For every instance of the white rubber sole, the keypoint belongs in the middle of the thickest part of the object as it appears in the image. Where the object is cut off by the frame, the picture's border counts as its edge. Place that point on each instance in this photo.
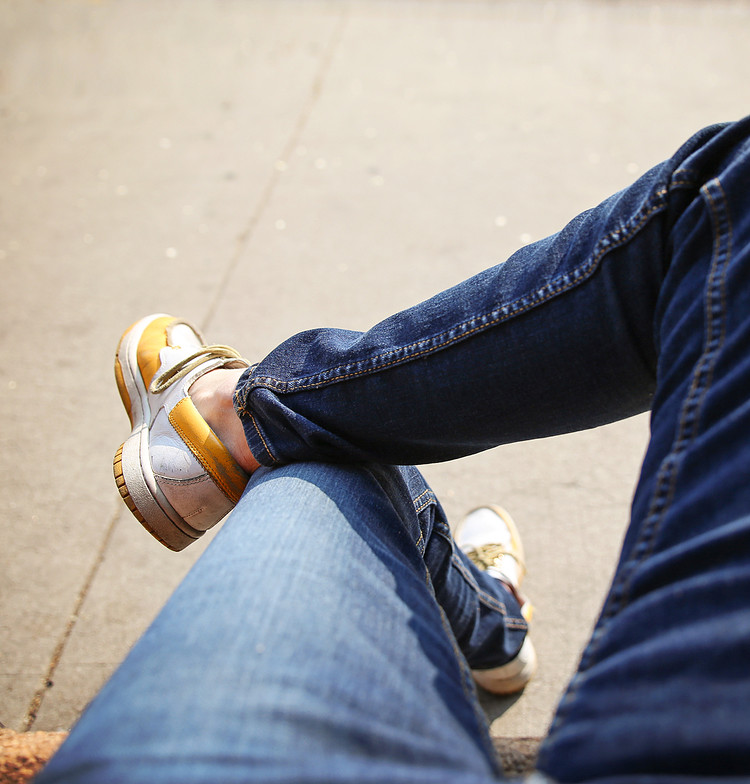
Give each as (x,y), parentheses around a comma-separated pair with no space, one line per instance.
(509,678)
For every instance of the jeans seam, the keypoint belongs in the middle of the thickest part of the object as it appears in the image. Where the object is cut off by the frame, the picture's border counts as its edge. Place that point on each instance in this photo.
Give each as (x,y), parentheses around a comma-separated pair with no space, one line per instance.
(610,242)
(254,423)
(423,501)
(690,412)
(428,497)
(239,401)
(687,430)
(466,678)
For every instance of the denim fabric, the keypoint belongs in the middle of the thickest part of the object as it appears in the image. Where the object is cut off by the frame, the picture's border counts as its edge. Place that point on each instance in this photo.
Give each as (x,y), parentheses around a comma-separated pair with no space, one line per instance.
(308,644)
(559,337)
(641,302)
(663,686)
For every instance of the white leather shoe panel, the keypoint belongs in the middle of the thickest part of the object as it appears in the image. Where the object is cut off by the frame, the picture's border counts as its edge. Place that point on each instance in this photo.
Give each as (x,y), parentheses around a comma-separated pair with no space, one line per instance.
(170,458)
(198,501)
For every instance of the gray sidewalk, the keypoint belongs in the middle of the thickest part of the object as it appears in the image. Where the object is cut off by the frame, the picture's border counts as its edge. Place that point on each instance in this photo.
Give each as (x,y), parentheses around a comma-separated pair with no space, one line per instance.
(264,167)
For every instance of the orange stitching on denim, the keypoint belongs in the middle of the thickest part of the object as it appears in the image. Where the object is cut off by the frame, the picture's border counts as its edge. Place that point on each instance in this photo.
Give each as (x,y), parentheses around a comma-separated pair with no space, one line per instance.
(260,436)
(625,584)
(240,401)
(684,176)
(666,479)
(729,247)
(588,268)
(428,500)
(710,338)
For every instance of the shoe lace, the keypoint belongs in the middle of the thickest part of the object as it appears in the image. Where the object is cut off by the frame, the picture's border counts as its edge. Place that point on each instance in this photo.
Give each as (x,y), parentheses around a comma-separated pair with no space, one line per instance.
(488,554)
(187,364)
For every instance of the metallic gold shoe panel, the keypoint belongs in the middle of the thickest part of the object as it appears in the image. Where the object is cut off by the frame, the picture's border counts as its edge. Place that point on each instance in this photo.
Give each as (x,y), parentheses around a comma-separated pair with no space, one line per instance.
(154,338)
(173,473)
(208,449)
(123,390)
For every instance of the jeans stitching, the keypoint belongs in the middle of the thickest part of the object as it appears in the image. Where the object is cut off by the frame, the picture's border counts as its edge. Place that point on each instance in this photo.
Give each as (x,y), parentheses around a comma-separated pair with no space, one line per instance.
(423,501)
(420,505)
(260,436)
(239,402)
(442,529)
(687,430)
(688,425)
(419,541)
(240,406)
(610,242)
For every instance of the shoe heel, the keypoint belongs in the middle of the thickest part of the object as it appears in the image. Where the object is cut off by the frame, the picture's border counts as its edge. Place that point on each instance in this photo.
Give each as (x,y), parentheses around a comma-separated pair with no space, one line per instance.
(123,488)
(169,534)
(123,390)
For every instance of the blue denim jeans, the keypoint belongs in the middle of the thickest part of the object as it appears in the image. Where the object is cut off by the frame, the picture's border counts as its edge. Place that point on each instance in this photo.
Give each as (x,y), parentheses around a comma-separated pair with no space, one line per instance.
(326,634)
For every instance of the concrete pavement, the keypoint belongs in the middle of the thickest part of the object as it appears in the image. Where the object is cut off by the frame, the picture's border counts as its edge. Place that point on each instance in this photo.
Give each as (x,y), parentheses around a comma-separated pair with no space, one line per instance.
(264,167)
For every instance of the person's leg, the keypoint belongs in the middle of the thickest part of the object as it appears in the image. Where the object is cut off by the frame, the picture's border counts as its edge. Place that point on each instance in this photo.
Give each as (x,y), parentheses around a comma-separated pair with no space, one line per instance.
(557,338)
(663,692)
(180,471)
(569,333)
(484,613)
(305,645)
(560,337)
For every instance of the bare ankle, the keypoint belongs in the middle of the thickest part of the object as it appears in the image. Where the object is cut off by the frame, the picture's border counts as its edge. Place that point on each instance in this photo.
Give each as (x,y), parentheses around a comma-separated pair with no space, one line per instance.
(213,396)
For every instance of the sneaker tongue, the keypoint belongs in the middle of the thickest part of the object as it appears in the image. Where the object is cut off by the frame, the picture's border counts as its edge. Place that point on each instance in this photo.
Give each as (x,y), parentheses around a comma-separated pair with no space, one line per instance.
(171,355)
(181,336)
(484,526)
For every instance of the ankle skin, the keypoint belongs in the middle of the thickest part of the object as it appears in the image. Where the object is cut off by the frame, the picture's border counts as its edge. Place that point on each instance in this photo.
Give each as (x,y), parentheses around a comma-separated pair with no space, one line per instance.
(213,396)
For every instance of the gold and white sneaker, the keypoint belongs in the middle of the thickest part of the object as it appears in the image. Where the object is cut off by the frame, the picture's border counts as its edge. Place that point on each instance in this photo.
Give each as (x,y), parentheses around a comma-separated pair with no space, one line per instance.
(490,539)
(173,472)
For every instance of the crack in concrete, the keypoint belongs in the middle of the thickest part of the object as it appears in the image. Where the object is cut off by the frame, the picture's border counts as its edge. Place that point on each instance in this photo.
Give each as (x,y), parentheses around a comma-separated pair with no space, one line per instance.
(245,236)
(242,241)
(46,681)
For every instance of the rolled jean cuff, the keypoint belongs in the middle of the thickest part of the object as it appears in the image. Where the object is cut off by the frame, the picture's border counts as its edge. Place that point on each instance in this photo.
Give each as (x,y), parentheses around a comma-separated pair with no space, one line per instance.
(255,438)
